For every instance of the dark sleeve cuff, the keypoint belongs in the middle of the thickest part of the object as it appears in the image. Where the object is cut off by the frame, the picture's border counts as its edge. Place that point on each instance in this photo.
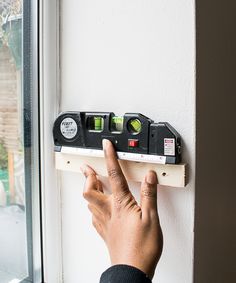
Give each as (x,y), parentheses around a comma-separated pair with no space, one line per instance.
(124,274)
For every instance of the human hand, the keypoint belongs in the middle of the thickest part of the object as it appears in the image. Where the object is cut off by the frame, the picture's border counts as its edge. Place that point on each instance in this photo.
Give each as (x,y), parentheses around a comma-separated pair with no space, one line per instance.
(131,232)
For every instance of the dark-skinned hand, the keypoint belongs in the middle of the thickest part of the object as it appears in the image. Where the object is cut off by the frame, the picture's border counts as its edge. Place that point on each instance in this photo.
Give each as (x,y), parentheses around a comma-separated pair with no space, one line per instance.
(132,232)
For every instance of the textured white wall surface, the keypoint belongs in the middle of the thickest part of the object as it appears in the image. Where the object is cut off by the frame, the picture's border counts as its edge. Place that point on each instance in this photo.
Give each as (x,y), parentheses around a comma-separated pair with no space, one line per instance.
(130,56)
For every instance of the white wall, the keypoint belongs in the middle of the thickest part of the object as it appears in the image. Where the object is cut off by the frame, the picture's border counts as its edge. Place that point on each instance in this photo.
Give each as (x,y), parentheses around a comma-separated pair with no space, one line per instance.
(130,56)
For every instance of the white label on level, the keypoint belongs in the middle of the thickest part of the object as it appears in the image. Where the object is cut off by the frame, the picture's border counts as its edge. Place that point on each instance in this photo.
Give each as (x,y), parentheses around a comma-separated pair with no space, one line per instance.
(121,155)
(169,147)
(68,128)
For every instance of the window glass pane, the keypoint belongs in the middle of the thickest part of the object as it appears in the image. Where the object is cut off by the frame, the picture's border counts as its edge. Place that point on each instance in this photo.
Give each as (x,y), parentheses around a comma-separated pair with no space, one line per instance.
(15,156)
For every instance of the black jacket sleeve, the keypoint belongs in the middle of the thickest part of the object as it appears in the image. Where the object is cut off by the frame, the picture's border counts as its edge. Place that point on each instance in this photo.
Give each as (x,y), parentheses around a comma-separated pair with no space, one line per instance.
(124,274)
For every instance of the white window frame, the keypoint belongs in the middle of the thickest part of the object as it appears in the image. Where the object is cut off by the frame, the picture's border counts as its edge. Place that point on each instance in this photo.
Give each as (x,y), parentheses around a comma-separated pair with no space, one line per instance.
(30,90)
(49,107)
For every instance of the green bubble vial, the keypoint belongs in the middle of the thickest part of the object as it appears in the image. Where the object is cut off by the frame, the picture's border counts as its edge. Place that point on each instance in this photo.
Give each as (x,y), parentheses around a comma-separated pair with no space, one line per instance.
(95,124)
(135,126)
(98,123)
(117,124)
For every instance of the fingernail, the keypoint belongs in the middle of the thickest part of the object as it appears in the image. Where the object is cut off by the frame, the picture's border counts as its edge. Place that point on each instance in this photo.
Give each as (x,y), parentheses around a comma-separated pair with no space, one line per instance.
(83,169)
(151,178)
(104,143)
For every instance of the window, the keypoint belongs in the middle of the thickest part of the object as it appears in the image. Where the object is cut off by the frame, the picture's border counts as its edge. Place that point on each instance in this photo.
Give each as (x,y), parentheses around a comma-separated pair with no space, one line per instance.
(20,241)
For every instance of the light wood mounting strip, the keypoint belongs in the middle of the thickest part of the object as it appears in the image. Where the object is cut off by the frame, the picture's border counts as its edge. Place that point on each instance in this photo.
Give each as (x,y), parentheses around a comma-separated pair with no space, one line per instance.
(172,175)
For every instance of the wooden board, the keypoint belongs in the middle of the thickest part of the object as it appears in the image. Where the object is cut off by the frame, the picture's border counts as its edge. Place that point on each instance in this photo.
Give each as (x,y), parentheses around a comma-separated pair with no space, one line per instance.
(173,175)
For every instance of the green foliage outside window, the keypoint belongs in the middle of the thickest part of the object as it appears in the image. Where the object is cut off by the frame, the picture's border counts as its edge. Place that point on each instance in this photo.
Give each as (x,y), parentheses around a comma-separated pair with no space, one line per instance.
(3,157)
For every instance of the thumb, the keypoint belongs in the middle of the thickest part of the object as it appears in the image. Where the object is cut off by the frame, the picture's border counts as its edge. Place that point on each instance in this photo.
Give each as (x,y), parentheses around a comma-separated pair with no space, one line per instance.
(149,193)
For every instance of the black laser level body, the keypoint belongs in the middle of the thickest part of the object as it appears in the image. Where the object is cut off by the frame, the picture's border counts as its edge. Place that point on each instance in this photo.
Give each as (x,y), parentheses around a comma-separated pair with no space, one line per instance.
(134,136)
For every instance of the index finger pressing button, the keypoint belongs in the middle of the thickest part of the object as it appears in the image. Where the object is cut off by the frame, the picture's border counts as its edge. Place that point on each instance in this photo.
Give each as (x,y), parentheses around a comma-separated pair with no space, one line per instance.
(116,176)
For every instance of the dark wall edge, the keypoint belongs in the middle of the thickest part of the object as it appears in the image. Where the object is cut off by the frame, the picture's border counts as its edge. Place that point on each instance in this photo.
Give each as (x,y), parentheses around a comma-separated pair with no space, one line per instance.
(215,202)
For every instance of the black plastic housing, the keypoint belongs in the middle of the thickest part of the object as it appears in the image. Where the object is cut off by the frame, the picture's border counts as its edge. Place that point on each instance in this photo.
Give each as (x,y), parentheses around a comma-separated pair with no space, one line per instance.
(154,138)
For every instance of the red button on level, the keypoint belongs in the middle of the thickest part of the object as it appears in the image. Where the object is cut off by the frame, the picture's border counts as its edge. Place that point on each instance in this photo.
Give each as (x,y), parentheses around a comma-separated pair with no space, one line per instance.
(132,143)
